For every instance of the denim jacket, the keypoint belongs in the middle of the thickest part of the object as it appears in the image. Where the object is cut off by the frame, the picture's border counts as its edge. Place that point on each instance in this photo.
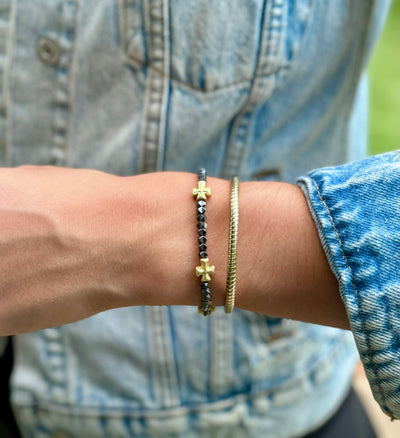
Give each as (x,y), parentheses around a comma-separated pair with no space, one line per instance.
(265,89)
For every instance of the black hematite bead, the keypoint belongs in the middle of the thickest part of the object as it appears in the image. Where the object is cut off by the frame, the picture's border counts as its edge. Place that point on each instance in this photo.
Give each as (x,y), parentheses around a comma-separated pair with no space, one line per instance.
(206,310)
(203,247)
(205,307)
(202,174)
(203,239)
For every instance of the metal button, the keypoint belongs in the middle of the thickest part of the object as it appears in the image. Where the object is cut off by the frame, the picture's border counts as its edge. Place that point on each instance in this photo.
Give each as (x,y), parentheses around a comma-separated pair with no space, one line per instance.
(48,50)
(58,154)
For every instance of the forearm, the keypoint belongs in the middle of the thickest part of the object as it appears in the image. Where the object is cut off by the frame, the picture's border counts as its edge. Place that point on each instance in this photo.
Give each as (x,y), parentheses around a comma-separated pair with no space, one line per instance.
(77,242)
(282,269)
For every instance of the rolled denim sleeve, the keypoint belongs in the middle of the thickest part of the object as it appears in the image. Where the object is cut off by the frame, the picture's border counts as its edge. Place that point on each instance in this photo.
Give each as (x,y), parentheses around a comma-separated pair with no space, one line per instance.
(356,208)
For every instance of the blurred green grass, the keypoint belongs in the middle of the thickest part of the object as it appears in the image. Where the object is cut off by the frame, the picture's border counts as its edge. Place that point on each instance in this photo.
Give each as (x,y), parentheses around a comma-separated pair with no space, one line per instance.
(384,76)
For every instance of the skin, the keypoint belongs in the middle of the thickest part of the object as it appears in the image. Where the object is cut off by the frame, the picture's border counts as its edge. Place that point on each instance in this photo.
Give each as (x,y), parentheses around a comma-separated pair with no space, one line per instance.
(75,242)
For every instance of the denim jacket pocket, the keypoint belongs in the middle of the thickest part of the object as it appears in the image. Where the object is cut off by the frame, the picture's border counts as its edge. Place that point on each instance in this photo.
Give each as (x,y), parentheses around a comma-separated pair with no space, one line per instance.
(131,26)
(214,43)
(282,343)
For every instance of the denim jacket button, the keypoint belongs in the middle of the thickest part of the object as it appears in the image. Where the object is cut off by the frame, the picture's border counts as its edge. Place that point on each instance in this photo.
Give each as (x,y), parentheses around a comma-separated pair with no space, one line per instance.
(48,50)
(58,154)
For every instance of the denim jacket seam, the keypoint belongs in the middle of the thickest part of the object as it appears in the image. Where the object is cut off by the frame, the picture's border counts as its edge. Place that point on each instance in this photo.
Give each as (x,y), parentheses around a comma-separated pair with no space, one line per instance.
(7,82)
(291,65)
(381,392)
(240,83)
(157,91)
(61,122)
(262,86)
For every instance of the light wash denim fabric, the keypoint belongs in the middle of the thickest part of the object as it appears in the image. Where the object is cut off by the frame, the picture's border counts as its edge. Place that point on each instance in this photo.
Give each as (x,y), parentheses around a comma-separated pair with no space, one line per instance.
(266,89)
(357,210)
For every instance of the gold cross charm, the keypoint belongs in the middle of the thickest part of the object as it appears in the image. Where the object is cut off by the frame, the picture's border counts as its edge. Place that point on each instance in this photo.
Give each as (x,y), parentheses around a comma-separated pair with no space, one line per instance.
(202,191)
(205,270)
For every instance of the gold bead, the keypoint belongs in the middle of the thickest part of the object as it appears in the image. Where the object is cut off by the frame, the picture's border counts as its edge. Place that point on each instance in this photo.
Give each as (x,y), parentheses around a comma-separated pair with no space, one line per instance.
(201,192)
(205,270)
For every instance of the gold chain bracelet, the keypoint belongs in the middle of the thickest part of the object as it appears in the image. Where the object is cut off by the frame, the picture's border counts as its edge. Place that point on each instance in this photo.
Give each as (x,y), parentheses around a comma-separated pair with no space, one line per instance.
(232,250)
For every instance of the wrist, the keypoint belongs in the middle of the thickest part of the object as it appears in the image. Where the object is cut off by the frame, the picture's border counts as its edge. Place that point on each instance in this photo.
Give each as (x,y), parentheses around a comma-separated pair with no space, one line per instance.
(167,240)
(284,271)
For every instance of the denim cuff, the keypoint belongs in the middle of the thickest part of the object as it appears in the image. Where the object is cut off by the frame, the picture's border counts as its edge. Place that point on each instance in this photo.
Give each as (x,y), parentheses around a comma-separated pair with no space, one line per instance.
(356,208)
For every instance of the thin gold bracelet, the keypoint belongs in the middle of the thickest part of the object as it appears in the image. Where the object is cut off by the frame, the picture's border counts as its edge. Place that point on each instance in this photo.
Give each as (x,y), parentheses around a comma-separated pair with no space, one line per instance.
(232,250)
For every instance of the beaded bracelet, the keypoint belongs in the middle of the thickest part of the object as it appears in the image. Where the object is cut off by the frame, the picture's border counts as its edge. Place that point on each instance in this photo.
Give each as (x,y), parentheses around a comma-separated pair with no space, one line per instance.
(204,270)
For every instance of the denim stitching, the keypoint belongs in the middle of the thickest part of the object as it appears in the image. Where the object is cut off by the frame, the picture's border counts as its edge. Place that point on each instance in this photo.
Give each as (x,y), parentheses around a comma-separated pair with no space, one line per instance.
(261,89)
(136,64)
(157,90)
(221,360)
(56,355)
(62,90)
(7,75)
(358,302)
(164,378)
